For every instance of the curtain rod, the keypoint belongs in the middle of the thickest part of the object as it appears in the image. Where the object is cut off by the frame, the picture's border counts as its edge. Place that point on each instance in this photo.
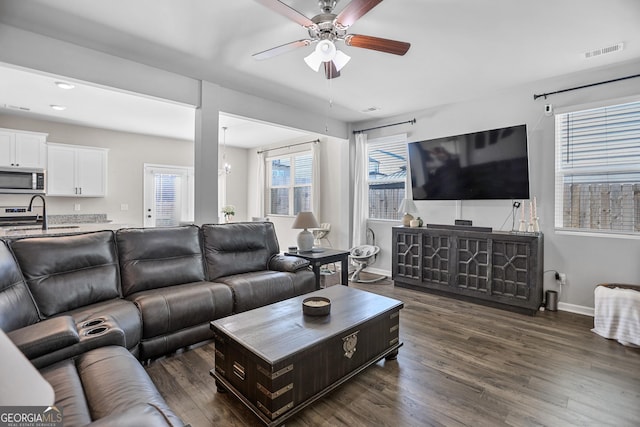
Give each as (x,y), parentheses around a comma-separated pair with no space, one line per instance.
(583,86)
(287,146)
(413,121)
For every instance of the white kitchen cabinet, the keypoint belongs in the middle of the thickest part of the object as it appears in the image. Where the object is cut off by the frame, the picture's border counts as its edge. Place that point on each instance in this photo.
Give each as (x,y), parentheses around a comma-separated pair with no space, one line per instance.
(22,149)
(76,171)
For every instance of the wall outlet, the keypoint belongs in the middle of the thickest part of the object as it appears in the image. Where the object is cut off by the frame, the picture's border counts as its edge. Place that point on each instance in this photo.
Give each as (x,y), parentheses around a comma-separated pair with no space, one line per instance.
(563,278)
(124,207)
(76,207)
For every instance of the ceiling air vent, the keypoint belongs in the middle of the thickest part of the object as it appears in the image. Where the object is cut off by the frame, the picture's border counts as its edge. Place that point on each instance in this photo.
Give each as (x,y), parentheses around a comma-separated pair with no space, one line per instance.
(604,50)
(16,107)
(370,109)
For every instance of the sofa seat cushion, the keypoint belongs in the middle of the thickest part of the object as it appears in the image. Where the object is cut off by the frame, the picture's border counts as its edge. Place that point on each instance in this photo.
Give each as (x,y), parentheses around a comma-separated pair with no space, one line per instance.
(173,308)
(258,288)
(103,383)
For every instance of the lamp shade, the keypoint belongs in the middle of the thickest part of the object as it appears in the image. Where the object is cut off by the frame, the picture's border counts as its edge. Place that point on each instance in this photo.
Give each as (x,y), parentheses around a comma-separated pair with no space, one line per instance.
(407,206)
(305,220)
(341,60)
(313,61)
(326,49)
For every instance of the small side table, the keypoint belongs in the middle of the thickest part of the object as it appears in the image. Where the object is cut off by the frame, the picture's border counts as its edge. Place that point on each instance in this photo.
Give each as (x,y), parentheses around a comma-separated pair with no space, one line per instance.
(327,256)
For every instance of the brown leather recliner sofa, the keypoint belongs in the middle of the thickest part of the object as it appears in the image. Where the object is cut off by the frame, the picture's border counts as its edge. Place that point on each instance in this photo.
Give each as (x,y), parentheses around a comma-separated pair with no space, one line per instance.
(73,302)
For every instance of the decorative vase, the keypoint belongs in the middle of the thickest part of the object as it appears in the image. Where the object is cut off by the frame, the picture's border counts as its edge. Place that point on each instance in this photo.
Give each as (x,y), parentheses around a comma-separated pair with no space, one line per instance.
(420,222)
(406,219)
(228,218)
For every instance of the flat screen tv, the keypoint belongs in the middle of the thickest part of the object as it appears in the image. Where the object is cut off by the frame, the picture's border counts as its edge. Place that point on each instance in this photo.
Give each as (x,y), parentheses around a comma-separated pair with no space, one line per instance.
(491,164)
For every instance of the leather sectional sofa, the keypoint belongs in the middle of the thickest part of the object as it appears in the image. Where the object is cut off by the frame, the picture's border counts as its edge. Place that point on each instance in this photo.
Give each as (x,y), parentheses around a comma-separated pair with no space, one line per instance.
(85,308)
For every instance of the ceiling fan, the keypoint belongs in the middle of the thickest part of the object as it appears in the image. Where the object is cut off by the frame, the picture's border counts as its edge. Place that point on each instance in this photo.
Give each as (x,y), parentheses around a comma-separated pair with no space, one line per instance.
(325,29)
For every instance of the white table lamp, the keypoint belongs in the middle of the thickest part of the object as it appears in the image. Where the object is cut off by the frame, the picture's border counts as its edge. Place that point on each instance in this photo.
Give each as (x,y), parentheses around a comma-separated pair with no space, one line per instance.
(303,221)
(407,207)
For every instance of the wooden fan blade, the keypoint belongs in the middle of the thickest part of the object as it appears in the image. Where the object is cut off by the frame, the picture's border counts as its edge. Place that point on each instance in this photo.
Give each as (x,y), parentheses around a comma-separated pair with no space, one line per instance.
(376,43)
(330,70)
(354,10)
(287,12)
(278,50)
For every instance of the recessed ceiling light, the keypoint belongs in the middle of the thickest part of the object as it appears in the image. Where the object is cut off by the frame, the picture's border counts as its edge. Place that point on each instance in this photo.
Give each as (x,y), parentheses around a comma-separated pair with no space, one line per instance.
(58,107)
(64,85)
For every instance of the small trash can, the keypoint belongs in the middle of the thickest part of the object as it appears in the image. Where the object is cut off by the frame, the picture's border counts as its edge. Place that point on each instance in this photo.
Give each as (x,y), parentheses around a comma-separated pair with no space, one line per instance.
(551,298)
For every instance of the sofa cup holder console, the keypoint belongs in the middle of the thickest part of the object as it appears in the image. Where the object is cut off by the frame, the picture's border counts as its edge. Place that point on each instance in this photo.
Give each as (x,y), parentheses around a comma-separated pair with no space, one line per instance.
(96,331)
(93,322)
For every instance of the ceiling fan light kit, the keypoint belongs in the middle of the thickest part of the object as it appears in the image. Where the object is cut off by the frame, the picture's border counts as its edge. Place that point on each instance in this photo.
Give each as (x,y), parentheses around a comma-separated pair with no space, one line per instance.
(326,51)
(325,29)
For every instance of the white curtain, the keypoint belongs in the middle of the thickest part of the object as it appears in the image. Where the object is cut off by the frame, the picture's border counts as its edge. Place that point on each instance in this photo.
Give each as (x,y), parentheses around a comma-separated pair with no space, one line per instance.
(315,180)
(260,184)
(360,192)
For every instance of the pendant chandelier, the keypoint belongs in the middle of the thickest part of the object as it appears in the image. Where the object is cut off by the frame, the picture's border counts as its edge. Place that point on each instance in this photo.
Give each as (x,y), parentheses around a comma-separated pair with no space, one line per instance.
(225,165)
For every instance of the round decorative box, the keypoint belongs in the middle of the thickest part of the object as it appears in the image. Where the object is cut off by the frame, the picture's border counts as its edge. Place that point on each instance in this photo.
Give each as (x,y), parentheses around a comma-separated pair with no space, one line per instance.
(316,306)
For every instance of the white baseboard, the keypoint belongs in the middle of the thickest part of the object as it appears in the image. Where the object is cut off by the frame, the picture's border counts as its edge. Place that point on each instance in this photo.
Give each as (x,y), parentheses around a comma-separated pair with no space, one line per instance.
(562,306)
(578,309)
(378,271)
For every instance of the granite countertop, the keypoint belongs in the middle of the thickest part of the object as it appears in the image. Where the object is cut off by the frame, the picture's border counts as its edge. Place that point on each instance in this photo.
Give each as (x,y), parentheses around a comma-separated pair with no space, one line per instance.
(56,229)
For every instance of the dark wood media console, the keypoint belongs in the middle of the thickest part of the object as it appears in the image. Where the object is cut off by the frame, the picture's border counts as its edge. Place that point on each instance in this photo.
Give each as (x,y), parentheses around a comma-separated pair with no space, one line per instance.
(501,269)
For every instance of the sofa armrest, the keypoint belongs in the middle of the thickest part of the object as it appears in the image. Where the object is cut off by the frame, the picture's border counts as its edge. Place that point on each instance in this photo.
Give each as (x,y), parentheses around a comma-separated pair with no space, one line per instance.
(287,263)
(45,337)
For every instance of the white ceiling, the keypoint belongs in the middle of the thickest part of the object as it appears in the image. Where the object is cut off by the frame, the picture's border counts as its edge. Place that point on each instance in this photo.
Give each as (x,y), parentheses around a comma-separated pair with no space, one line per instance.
(460,49)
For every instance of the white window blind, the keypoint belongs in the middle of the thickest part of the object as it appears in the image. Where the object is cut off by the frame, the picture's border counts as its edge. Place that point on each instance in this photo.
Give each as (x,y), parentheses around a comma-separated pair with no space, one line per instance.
(167,200)
(387,175)
(290,179)
(598,169)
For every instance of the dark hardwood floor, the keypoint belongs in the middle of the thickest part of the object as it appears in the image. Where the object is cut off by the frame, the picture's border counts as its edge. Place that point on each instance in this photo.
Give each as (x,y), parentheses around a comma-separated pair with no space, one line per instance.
(462,364)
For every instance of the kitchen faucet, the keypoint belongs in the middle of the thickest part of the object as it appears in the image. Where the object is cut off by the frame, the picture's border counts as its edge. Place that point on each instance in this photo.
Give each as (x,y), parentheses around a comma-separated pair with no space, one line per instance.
(44,210)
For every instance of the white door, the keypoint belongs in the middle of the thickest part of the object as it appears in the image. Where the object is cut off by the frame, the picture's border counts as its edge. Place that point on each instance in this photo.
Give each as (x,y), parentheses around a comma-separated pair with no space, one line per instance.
(168,195)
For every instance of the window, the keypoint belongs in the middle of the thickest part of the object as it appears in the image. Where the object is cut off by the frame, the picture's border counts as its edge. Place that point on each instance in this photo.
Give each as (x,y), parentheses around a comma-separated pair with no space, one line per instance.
(289,183)
(598,169)
(387,174)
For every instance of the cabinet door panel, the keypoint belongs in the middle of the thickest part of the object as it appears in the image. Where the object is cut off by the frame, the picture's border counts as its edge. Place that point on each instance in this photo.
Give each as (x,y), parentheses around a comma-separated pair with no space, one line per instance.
(61,171)
(91,166)
(30,151)
(7,144)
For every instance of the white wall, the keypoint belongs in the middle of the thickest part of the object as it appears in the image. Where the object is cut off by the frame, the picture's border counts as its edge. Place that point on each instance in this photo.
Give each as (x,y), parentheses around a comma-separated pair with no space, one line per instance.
(586,260)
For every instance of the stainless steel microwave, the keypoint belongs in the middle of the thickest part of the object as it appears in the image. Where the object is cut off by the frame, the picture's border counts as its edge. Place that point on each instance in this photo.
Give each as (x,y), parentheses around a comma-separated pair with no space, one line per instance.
(22,181)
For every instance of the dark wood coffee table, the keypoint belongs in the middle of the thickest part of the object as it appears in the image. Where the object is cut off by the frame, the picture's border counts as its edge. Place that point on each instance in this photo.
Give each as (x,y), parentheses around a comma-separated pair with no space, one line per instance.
(277,360)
